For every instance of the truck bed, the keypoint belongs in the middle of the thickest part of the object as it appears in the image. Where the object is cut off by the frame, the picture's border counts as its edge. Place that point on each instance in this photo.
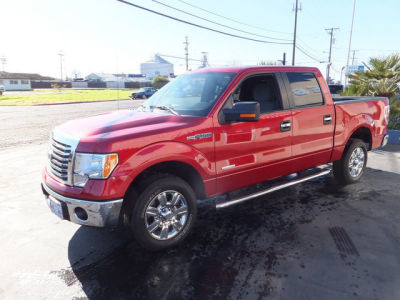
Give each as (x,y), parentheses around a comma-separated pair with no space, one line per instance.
(354,99)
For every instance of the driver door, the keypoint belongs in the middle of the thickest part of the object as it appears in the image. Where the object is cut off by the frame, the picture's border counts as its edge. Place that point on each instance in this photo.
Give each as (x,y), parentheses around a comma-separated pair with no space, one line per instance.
(252,152)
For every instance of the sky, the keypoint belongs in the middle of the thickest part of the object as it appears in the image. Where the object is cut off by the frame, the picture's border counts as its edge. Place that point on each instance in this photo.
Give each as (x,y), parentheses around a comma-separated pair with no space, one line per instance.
(111,37)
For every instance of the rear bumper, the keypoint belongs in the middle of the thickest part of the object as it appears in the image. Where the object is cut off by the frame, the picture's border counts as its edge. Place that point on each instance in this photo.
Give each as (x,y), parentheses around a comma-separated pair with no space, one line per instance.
(99,214)
(385,140)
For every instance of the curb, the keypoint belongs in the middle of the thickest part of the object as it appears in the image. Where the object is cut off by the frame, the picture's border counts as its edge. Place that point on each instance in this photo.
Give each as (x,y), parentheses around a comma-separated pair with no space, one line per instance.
(394,136)
(77,102)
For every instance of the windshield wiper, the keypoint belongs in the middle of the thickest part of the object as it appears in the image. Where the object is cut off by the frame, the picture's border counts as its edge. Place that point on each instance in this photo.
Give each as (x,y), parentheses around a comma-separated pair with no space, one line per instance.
(164,107)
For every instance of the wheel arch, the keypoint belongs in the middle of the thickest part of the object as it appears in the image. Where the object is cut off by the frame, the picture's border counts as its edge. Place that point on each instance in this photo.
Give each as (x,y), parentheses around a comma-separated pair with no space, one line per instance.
(177,168)
(363,133)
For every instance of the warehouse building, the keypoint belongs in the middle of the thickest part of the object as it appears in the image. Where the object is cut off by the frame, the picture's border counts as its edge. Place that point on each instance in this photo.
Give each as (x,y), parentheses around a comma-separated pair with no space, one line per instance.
(157,66)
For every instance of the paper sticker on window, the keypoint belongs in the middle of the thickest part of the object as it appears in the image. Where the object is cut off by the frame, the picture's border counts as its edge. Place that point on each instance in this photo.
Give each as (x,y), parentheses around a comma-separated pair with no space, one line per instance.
(300,92)
(315,89)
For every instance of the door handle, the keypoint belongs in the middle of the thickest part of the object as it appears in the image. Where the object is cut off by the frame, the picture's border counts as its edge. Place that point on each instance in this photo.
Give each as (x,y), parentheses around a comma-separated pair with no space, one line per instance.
(327,119)
(286,125)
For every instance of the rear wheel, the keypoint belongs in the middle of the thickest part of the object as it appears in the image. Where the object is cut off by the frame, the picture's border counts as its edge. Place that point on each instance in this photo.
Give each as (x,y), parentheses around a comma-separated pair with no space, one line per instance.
(351,166)
(164,213)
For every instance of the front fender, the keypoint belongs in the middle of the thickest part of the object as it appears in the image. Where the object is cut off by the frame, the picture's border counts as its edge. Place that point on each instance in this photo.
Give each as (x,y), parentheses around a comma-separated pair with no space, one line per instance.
(163,152)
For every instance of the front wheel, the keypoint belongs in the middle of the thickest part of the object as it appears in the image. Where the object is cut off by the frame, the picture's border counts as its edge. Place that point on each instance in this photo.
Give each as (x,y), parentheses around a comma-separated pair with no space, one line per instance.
(164,213)
(351,166)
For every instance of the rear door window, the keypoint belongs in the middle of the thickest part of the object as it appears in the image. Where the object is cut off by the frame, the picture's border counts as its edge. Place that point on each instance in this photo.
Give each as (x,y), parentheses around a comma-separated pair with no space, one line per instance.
(305,89)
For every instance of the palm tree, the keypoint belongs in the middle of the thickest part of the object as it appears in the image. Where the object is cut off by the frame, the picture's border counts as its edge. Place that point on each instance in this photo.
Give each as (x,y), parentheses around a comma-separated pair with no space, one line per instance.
(381,77)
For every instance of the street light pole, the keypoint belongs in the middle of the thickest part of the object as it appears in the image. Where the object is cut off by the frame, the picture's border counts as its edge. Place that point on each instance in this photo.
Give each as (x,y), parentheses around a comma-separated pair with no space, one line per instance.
(61,66)
(348,52)
(341,74)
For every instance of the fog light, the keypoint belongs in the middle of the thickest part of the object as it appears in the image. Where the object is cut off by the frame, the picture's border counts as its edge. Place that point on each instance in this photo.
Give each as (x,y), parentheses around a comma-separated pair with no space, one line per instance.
(80,214)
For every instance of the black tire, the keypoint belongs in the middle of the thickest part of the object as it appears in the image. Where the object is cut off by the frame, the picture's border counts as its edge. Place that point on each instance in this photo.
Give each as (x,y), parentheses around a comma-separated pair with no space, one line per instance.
(149,191)
(341,168)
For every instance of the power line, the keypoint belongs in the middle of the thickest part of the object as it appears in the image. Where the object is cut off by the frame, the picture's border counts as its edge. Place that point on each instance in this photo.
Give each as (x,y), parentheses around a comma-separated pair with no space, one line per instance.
(230,19)
(308,55)
(213,22)
(304,45)
(177,57)
(201,26)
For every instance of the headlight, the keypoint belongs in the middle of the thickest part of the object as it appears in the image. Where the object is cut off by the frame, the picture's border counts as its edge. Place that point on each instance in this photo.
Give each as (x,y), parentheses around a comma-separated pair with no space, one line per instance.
(93,166)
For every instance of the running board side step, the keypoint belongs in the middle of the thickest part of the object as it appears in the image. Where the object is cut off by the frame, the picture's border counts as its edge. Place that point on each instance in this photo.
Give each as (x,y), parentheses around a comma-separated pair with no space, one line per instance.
(281,185)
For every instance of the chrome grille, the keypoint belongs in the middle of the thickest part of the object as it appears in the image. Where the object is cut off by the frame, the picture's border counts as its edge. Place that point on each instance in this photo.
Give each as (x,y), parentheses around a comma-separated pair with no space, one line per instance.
(60,155)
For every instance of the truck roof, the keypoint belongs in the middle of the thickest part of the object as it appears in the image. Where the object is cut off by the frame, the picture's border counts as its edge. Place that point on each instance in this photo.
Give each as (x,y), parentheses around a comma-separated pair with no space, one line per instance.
(240,69)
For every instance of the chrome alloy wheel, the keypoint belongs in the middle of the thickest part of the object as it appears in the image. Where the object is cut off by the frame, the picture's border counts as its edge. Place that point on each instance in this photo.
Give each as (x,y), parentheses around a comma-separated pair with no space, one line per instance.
(166,215)
(356,162)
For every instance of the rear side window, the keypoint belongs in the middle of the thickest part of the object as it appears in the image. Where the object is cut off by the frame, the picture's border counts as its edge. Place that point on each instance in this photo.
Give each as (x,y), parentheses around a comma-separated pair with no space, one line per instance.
(305,89)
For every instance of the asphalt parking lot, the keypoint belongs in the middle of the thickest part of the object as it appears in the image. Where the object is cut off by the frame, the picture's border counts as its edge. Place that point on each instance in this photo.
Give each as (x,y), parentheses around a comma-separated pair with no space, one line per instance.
(316,240)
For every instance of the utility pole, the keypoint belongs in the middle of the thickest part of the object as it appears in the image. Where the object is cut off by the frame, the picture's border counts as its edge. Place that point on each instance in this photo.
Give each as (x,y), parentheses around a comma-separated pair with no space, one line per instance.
(61,65)
(186,43)
(204,61)
(348,52)
(3,60)
(352,60)
(296,8)
(331,32)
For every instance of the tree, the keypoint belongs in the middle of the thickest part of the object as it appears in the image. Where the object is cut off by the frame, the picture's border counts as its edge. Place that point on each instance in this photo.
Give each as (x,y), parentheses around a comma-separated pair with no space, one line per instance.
(159,81)
(267,63)
(381,78)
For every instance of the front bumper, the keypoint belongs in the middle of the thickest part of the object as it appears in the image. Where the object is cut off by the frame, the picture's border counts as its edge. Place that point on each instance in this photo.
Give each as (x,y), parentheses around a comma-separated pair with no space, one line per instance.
(84,212)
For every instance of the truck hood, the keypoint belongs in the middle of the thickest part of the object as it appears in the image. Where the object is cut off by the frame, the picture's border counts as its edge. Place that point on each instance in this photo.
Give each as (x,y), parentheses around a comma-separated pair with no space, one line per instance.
(123,125)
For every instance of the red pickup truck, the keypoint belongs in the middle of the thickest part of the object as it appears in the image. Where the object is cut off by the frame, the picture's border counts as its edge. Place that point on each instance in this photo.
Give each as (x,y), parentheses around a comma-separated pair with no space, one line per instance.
(207,133)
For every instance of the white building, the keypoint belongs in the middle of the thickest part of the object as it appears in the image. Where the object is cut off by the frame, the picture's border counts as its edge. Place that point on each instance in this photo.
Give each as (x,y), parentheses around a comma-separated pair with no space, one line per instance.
(157,66)
(15,81)
(115,81)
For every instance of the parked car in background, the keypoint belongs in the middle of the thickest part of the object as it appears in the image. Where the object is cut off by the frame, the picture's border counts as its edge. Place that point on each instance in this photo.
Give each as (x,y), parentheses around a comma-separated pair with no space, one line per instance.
(335,89)
(208,133)
(2,89)
(143,93)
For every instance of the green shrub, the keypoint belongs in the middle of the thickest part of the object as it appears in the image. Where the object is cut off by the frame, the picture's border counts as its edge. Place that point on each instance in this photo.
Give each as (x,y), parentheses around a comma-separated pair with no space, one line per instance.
(159,81)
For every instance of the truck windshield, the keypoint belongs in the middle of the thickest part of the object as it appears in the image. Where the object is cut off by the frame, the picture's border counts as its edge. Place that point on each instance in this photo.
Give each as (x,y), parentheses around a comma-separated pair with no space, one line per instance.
(192,94)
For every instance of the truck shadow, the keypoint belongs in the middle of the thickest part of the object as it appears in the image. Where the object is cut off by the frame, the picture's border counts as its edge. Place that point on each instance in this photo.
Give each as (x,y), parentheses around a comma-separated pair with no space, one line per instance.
(219,258)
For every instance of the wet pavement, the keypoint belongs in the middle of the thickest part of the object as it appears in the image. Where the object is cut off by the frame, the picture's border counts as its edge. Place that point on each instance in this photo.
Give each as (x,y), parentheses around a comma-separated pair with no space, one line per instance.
(316,240)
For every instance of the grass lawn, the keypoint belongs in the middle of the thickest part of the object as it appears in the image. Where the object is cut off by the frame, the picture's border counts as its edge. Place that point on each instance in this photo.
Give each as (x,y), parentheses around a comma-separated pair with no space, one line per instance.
(46,96)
